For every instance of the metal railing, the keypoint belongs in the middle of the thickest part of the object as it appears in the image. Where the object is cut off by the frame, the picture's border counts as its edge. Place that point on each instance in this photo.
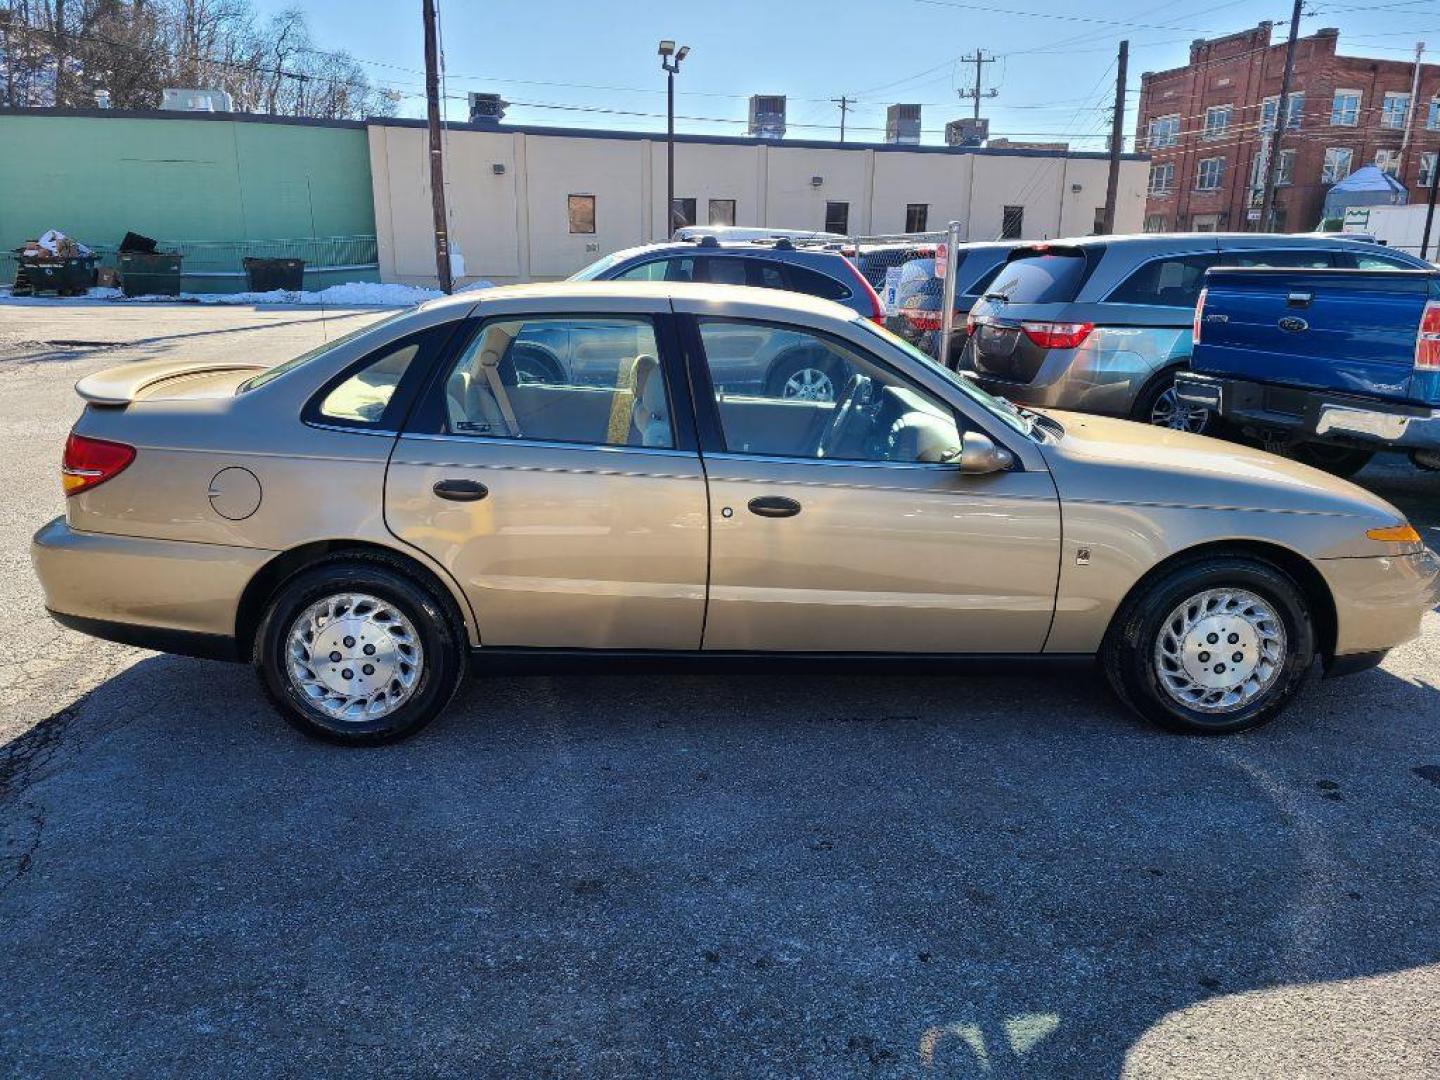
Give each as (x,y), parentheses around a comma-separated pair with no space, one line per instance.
(222,262)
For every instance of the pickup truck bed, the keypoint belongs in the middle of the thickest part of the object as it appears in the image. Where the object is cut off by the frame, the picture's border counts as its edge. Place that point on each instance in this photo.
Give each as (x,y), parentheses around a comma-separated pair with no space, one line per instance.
(1348,358)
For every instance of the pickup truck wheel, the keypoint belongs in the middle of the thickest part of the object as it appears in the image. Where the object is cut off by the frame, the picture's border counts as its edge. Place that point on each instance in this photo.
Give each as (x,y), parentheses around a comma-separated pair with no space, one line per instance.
(1158,405)
(1211,647)
(1341,461)
(357,653)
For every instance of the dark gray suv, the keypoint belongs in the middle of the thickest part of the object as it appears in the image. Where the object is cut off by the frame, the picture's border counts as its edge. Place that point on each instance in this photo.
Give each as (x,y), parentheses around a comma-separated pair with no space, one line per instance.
(1101,325)
(790,368)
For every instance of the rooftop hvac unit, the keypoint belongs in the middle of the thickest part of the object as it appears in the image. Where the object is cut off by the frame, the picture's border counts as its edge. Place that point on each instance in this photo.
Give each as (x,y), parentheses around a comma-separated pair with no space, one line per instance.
(767,116)
(487,108)
(967,132)
(902,125)
(185,100)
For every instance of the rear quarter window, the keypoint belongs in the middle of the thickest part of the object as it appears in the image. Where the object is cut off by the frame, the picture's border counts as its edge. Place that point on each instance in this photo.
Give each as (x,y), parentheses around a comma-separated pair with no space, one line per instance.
(1040,279)
(815,283)
(1173,281)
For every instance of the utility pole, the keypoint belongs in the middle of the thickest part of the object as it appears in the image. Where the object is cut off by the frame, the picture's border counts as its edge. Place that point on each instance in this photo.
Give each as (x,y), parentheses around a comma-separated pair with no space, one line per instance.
(1282,121)
(1430,209)
(670,58)
(979,60)
(1117,140)
(437,165)
(1410,110)
(844,103)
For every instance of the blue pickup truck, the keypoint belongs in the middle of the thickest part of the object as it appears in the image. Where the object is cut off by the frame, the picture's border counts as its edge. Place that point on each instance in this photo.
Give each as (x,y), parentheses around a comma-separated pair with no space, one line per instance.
(1327,366)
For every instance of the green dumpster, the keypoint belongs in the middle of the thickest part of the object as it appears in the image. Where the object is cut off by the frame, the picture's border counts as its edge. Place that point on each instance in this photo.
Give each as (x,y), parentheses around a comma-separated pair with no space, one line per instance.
(143,273)
(68,277)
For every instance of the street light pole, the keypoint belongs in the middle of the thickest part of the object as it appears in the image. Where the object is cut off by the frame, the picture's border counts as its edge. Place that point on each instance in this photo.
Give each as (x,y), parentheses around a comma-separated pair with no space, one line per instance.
(670,58)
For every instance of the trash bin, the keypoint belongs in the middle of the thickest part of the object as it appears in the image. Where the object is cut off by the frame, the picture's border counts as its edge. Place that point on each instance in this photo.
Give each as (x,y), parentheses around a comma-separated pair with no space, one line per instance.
(265,275)
(145,274)
(68,277)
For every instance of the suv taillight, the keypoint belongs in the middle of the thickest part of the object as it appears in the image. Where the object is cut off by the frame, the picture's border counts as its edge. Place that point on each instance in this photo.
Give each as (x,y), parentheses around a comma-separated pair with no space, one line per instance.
(1199,314)
(1427,342)
(921,319)
(1057,335)
(88,462)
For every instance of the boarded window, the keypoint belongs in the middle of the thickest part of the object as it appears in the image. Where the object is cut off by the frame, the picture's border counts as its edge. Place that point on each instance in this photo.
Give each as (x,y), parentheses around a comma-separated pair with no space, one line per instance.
(582,213)
(917,216)
(722,211)
(682,213)
(837,217)
(1012,223)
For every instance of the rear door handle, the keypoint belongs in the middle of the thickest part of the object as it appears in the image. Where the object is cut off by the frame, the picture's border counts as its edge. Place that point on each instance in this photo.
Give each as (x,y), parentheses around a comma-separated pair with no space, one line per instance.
(1299,299)
(461,490)
(774,506)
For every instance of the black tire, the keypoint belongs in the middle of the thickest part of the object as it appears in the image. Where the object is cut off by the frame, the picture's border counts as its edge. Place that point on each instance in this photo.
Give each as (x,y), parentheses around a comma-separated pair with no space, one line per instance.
(1144,409)
(436,624)
(1129,652)
(799,358)
(1341,461)
(532,363)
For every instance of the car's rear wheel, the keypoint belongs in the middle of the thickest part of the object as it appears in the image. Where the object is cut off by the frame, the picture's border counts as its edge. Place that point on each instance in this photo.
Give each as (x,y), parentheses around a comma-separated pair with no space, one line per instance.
(1212,647)
(356,652)
(804,373)
(1158,404)
(1341,461)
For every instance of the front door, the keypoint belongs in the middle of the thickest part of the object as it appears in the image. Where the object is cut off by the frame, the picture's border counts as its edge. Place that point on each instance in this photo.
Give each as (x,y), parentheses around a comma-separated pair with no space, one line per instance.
(846,526)
(549,474)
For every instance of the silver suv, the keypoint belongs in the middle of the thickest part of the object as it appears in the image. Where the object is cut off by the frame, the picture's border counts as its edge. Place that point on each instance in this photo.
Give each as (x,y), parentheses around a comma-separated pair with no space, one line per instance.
(1102,325)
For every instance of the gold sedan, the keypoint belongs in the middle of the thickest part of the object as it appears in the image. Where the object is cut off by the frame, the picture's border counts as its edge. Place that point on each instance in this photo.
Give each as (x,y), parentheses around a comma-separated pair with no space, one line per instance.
(551,474)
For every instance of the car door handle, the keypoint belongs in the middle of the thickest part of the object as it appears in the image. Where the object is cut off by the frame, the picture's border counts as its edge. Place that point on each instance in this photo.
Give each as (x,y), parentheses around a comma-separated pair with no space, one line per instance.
(1299,299)
(774,506)
(460,490)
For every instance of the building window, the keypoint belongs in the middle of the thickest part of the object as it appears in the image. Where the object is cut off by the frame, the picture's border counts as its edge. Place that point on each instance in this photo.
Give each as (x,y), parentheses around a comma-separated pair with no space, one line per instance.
(1207,223)
(1012,223)
(1427,169)
(1292,114)
(1394,110)
(1388,161)
(1155,223)
(722,211)
(1162,178)
(1345,108)
(1286,171)
(1337,164)
(917,215)
(1097,227)
(1432,119)
(1209,173)
(837,217)
(682,213)
(582,213)
(1162,131)
(1217,121)
(1282,174)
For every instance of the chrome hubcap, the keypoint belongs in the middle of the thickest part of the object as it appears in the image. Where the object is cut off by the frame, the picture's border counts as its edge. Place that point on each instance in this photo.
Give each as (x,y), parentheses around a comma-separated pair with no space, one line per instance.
(1220,650)
(810,384)
(354,657)
(1168,411)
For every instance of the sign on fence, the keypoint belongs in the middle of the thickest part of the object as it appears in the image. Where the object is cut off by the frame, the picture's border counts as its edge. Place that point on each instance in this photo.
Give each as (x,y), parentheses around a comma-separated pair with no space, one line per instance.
(890,293)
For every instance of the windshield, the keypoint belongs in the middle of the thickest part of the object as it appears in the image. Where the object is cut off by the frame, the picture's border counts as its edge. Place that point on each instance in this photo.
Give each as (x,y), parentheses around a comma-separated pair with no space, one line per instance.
(319,350)
(598,267)
(996,406)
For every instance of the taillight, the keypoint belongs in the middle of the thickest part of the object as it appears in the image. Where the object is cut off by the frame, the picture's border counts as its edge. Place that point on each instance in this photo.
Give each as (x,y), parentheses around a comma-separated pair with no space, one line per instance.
(88,462)
(1199,314)
(1427,342)
(1057,335)
(921,320)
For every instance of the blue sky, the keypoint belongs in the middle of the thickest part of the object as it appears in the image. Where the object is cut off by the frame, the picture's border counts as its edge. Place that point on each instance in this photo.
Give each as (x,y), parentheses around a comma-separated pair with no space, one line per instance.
(562,62)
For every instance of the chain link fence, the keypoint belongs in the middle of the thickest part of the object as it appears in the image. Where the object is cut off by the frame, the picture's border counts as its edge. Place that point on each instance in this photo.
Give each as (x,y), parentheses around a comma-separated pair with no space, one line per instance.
(210,266)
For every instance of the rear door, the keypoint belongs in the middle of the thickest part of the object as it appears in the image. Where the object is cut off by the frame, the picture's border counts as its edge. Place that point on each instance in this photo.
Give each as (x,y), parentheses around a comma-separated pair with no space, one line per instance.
(572,513)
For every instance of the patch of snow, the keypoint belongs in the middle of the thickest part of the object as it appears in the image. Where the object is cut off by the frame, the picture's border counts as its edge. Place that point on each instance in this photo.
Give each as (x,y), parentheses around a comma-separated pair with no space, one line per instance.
(352,294)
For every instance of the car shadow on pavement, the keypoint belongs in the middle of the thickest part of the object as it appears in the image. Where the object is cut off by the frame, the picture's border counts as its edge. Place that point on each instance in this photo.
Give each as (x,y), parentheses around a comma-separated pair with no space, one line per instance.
(687,875)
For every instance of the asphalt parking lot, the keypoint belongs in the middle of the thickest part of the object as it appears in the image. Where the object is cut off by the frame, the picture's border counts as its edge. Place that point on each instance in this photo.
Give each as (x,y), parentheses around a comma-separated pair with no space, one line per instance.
(748,875)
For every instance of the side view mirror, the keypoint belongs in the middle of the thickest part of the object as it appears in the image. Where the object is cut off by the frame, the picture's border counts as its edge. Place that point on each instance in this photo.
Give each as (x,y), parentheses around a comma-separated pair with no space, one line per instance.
(979,456)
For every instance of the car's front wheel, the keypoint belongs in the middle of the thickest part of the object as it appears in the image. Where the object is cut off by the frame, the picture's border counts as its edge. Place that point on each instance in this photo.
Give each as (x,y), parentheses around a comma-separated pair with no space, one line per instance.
(1211,647)
(356,652)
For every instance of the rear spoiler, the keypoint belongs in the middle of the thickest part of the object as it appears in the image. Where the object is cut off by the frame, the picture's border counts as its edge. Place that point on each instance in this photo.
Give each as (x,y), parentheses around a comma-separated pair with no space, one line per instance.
(119,386)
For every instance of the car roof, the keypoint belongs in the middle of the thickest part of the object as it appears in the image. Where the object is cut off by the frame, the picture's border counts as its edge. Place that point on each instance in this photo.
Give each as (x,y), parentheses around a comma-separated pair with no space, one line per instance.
(756,247)
(778,302)
(1148,241)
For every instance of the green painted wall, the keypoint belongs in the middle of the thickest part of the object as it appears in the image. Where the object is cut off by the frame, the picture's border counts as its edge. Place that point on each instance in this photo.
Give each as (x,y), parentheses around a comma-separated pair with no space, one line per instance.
(181,180)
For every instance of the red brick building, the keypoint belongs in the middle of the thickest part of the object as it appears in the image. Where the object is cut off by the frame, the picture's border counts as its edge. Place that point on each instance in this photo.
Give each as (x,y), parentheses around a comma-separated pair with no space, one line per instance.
(1205,127)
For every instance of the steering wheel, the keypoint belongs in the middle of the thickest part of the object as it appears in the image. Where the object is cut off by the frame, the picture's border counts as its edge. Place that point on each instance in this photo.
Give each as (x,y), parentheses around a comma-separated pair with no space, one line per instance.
(853,400)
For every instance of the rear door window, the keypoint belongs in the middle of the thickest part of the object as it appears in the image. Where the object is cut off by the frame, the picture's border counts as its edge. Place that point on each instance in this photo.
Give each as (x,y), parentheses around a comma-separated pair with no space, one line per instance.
(722,270)
(1040,279)
(1174,281)
(1295,258)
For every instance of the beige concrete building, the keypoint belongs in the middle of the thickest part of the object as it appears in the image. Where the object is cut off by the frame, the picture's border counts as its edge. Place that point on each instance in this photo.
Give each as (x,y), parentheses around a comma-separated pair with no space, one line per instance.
(530,203)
